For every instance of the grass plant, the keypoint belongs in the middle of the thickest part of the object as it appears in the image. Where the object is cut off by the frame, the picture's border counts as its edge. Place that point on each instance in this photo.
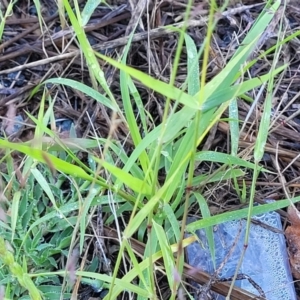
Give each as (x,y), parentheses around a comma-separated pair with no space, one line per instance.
(46,223)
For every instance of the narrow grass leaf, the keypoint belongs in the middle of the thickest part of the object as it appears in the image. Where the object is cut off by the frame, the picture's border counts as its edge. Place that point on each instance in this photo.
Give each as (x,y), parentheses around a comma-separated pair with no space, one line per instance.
(34,293)
(159,86)
(39,132)
(45,187)
(133,183)
(205,212)
(5,226)
(240,214)
(149,206)
(220,176)
(228,74)
(131,119)
(186,148)
(122,208)
(173,221)
(234,126)
(139,104)
(72,156)
(168,156)
(169,263)
(144,265)
(96,73)
(84,213)
(225,159)
(46,158)
(15,213)
(145,143)
(134,169)
(177,122)
(7,14)
(225,78)
(120,283)
(264,125)
(258,29)
(84,89)
(179,195)
(193,74)
(186,145)
(135,263)
(72,143)
(260,25)
(228,93)
(37,4)
(88,10)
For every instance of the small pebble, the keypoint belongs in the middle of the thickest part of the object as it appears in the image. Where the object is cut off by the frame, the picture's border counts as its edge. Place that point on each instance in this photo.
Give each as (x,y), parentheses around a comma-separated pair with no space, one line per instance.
(64,125)
(16,126)
(19,81)
(32,10)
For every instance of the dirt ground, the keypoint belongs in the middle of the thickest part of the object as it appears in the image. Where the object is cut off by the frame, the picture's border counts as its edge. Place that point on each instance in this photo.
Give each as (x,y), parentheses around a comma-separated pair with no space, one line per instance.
(30,54)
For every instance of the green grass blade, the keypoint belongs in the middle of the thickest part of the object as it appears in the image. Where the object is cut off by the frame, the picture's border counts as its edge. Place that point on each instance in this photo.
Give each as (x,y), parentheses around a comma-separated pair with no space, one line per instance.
(139,104)
(88,10)
(133,183)
(38,7)
(157,85)
(177,122)
(145,265)
(130,117)
(218,177)
(234,126)
(173,221)
(205,212)
(120,283)
(84,213)
(85,89)
(3,18)
(167,254)
(134,169)
(239,214)
(193,74)
(15,213)
(260,25)
(225,78)
(46,158)
(225,159)
(149,206)
(44,185)
(136,265)
(96,73)
(228,93)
